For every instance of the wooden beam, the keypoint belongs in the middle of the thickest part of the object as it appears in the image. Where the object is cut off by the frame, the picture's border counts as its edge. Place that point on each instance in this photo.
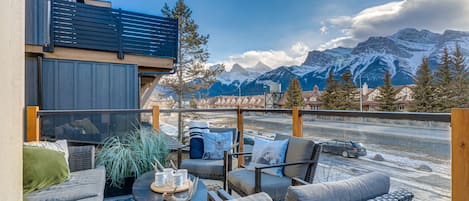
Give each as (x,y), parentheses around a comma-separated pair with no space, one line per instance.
(106,4)
(101,56)
(149,85)
(32,124)
(460,154)
(156,117)
(241,135)
(297,123)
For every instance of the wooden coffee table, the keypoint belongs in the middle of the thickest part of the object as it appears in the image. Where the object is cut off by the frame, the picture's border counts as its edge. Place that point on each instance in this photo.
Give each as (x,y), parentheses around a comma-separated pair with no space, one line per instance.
(141,189)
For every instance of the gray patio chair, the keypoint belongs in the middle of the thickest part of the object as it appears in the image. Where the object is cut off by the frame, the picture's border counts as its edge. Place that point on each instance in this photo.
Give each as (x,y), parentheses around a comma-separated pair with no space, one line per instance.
(367,187)
(301,161)
(208,169)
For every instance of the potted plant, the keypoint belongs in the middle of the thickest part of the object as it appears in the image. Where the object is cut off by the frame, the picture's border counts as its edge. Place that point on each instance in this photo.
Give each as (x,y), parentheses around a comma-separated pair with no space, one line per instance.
(127,157)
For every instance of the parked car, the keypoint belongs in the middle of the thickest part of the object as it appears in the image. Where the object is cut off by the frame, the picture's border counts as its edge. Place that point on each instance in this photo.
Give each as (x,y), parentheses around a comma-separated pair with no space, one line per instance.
(346,148)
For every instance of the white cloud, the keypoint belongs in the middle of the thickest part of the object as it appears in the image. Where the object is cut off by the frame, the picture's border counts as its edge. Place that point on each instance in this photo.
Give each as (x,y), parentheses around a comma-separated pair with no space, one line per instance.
(323,30)
(345,41)
(295,55)
(434,15)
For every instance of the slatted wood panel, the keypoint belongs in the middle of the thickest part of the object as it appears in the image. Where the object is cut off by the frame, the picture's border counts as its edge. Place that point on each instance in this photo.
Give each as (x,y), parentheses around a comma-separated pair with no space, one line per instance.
(148,35)
(297,123)
(98,28)
(241,135)
(83,26)
(460,154)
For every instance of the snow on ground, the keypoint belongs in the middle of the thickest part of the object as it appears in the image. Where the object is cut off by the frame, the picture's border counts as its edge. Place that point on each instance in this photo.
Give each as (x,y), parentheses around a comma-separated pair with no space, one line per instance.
(169,129)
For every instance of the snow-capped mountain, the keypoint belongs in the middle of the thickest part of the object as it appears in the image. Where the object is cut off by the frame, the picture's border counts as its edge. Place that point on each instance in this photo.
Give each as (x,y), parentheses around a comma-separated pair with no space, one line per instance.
(238,74)
(400,54)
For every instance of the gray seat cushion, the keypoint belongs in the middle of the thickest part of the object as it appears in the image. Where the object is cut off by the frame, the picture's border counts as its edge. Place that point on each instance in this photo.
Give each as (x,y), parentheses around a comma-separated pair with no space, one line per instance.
(206,169)
(82,185)
(298,150)
(275,186)
(359,188)
(255,197)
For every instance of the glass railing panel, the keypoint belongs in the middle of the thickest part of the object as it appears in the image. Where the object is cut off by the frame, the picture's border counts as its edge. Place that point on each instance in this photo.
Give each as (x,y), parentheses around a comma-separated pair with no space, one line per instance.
(267,124)
(415,154)
(216,119)
(94,128)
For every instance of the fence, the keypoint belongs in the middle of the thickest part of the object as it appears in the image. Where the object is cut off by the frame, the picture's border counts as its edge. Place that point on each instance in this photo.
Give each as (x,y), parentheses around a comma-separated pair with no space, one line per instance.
(84,26)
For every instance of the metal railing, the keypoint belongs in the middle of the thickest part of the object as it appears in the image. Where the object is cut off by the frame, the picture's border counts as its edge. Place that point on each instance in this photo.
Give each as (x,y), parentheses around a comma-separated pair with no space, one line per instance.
(56,118)
(84,26)
(423,137)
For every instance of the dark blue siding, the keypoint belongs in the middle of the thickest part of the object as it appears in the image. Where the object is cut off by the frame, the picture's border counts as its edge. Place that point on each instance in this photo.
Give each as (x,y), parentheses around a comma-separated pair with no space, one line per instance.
(31,83)
(76,85)
(35,22)
(88,85)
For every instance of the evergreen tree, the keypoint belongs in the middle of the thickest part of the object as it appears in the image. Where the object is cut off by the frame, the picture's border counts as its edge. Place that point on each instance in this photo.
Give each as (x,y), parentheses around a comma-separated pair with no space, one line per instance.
(330,96)
(443,84)
(348,94)
(193,102)
(294,94)
(461,79)
(387,95)
(191,74)
(423,100)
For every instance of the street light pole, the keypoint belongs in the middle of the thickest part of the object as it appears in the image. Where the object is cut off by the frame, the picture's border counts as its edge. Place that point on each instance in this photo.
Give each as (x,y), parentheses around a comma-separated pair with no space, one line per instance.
(361,94)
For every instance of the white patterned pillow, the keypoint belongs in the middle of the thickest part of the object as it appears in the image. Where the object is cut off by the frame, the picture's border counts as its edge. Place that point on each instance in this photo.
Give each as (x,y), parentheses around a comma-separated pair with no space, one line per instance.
(267,152)
(59,145)
(215,144)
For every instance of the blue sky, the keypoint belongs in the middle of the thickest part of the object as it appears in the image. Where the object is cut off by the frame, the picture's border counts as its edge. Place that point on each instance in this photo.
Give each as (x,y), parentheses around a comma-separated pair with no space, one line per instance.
(280,32)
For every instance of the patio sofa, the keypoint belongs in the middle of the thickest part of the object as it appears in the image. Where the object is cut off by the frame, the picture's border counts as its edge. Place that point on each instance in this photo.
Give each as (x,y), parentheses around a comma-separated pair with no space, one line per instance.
(86,183)
(367,187)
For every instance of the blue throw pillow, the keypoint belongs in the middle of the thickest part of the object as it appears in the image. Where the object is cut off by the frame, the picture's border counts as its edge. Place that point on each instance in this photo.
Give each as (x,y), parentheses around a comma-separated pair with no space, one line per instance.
(216,143)
(196,131)
(267,152)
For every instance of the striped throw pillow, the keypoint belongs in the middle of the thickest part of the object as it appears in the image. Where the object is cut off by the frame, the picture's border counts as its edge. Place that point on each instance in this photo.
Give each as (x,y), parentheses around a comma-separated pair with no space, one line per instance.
(196,133)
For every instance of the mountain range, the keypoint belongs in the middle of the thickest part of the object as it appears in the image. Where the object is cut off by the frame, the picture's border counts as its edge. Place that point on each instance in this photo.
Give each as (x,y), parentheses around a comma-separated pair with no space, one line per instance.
(400,54)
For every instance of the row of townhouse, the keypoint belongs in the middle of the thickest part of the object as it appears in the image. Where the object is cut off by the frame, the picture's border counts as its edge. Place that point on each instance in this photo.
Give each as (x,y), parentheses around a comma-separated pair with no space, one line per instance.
(311,99)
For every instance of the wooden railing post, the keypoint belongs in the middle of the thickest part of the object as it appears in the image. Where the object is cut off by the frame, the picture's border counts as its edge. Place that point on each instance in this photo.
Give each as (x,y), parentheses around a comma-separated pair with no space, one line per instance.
(156,117)
(460,154)
(241,135)
(32,124)
(297,123)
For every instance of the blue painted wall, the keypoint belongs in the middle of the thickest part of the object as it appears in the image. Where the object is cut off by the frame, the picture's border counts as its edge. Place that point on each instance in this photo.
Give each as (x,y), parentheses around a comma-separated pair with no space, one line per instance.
(68,84)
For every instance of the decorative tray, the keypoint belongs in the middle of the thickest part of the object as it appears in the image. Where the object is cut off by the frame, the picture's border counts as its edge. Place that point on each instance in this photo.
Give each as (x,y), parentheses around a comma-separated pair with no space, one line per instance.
(167,189)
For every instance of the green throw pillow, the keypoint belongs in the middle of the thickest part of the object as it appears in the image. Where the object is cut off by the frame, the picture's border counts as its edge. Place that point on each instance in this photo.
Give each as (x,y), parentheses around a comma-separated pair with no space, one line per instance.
(43,168)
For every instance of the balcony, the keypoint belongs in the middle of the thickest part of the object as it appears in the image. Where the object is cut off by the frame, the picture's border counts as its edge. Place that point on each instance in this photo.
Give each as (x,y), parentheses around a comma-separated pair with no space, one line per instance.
(407,142)
(77,31)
